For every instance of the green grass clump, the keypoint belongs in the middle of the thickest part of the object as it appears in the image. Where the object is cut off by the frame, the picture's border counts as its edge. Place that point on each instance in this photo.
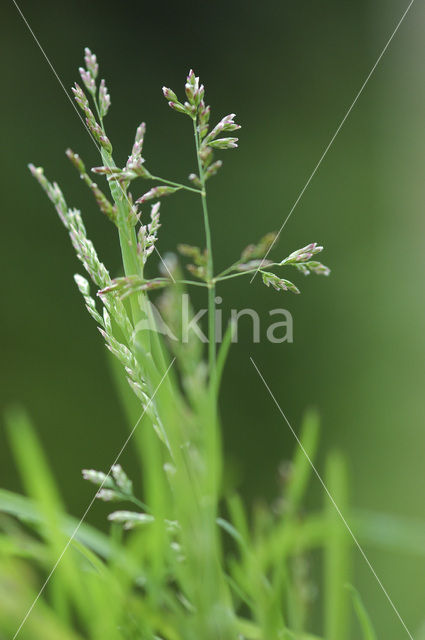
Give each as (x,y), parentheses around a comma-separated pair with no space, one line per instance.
(185,560)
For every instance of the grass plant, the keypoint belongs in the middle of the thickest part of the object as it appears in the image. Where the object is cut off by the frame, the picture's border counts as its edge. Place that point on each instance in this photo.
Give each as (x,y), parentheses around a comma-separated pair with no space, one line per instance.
(186,560)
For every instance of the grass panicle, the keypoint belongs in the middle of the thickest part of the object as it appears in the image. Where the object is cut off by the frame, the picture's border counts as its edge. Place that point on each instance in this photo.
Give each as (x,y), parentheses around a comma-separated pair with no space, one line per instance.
(185,559)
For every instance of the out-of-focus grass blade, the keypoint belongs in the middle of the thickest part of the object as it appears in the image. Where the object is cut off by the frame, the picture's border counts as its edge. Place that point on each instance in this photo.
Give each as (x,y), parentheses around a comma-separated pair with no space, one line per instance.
(27,511)
(17,593)
(223,353)
(41,486)
(420,634)
(230,529)
(23,547)
(304,636)
(251,631)
(390,532)
(301,469)
(238,518)
(284,580)
(362,615)
(87,536)
(68,584)
(33,468)
(337,552)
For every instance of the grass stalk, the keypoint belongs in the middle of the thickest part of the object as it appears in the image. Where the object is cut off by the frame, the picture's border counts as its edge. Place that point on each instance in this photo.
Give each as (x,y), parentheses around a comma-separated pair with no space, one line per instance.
(176,565)
(210,265)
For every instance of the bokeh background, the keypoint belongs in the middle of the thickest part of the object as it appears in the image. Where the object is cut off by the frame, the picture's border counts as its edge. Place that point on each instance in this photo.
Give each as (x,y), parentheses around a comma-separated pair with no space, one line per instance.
(290,71)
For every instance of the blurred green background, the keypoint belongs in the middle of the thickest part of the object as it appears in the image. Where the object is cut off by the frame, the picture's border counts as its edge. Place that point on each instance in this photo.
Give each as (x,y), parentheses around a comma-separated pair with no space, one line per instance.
(290,71)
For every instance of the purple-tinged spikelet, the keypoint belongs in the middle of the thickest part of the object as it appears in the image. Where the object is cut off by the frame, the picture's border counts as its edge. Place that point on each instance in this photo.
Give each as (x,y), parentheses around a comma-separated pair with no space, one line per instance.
(224,143)
(157,192)
(88,80)
(280,284)
(91,62)
(80,97)
(104,99)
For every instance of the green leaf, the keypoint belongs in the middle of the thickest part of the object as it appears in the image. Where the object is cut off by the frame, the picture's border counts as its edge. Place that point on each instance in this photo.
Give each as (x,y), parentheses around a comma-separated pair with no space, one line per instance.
(337,550)
(28,512)
(223,353)
(362,615)
(301,466)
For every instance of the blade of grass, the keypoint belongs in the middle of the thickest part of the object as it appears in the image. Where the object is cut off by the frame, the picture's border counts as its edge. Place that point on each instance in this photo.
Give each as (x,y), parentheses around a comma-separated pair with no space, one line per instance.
(66,586)
(223,353)
(362,615)
(337,553)
(301,467)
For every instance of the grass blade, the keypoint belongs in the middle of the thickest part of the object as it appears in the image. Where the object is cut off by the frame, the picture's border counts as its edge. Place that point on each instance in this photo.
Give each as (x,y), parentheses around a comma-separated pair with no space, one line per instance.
(337,553)
(362,615)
